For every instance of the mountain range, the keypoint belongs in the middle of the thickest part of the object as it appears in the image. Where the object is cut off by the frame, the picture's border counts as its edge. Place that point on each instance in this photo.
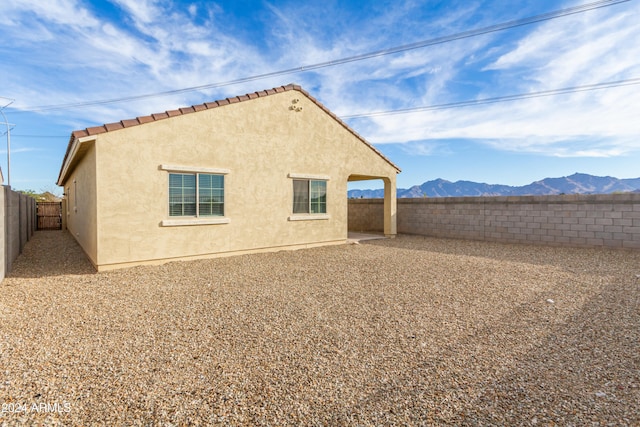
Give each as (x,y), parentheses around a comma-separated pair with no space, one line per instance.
(578,183)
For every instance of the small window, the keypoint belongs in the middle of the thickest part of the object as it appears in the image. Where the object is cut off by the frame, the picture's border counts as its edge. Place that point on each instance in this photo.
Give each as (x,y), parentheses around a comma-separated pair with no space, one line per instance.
(309,196)
(196,194)
(69,200)
(75,196)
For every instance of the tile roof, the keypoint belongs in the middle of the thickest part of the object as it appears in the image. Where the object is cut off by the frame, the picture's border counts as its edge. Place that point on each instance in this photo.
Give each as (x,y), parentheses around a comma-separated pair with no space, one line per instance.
(110,127)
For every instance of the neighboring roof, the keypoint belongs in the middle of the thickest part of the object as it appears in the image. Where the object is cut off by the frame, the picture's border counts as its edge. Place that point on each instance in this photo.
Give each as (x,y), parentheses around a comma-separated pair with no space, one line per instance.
(110,127)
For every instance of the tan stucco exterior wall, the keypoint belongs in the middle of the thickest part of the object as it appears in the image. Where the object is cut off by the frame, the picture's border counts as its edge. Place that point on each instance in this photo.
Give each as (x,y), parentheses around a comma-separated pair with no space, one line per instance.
(81,203)
(260,143)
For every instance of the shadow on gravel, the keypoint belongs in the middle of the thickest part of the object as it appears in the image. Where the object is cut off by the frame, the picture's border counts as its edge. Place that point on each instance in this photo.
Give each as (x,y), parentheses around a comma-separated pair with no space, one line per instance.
(51,253)
(582,371)
(565,258)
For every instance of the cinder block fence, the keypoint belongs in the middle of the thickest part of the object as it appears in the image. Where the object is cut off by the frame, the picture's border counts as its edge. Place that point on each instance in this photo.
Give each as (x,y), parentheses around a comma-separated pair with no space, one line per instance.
(17,225)
(610,220)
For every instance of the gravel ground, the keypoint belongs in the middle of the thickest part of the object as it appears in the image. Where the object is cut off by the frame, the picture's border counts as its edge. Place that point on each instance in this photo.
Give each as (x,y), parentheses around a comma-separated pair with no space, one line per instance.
(410,331)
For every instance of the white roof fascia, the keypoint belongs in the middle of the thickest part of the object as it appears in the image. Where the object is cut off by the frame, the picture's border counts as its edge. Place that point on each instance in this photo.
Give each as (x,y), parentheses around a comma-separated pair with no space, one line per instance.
(74,150)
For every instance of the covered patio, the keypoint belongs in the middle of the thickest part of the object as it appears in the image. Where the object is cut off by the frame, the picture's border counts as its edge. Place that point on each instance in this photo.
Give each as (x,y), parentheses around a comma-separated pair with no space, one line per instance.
(390,201)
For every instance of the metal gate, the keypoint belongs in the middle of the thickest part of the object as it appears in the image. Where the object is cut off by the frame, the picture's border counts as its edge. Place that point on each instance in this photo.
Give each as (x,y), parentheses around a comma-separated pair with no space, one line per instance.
(49,215)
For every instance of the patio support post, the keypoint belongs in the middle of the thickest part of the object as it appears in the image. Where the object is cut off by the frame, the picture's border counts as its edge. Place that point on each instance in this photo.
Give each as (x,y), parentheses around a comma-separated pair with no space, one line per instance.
(390,207)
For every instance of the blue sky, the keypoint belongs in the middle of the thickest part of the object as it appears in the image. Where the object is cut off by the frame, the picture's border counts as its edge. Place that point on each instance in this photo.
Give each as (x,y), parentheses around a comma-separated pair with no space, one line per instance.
(61,52)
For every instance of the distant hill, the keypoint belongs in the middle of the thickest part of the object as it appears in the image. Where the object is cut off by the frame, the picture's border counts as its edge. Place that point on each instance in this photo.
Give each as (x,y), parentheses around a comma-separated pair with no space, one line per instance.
(578,183)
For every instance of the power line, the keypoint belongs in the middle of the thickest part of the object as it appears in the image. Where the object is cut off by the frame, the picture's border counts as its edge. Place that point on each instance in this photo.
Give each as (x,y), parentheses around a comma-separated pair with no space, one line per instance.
(505,98)
(8,133)
(467,103)
(39,136)
(417,45)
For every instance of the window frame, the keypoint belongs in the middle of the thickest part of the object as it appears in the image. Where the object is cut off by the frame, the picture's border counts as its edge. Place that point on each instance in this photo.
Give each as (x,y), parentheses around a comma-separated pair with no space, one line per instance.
(67,194)
(309,215)
(197,219)
(75,195)
(183,205)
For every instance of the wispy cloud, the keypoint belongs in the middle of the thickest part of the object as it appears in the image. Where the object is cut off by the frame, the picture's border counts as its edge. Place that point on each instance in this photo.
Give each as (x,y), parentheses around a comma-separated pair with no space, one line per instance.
(426,148)
(593,47)
(156,47)
(141,11)
(60,12)
(66,51)
(20,150)
(92,57)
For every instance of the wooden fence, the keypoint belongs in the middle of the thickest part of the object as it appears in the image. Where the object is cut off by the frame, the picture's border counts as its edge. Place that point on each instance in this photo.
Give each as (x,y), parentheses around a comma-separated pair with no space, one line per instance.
(49,215)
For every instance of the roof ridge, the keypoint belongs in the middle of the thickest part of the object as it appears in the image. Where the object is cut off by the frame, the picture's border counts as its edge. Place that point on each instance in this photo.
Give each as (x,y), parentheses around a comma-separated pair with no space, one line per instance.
(140,120)
(108,127)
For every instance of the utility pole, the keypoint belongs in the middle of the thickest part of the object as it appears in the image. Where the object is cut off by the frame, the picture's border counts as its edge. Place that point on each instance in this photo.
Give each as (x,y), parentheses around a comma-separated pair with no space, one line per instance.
(9,127)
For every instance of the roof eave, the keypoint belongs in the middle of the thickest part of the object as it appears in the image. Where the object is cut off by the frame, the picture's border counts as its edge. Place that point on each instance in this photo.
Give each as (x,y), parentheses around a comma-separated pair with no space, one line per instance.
(78,138)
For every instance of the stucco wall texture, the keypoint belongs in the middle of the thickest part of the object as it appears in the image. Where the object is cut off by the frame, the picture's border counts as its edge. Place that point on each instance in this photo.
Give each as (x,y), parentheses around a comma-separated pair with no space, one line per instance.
(119,212)
(80,211)
(611,220)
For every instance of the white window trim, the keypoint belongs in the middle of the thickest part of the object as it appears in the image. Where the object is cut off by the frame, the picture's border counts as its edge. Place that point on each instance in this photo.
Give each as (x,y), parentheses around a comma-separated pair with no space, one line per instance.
(180,222)
(307,176)
(193,221)
(68,196)
(75,196)
(309,217)
(306,216)
(192,169)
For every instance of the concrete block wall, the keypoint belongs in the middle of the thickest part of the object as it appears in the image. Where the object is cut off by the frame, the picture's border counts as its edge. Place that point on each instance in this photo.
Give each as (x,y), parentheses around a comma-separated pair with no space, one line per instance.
(610,220)
(18,223)
(366,214)
(3,251)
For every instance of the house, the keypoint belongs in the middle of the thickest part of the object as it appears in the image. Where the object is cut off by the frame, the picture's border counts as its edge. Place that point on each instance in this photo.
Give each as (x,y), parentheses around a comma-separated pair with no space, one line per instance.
(263,171)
